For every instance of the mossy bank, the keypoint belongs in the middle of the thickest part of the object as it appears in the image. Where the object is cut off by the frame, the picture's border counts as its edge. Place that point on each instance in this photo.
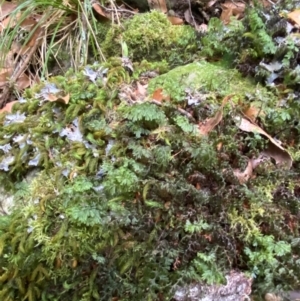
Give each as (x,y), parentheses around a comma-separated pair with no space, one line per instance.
(130,200)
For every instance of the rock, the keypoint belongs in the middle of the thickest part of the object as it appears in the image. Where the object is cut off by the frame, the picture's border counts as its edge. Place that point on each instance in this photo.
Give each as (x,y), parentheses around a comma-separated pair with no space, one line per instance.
(237,288)
(287,296)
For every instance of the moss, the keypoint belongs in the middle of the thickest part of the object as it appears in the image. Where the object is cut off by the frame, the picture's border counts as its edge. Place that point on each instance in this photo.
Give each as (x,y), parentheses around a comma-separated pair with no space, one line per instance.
(151,36)
(131,200)
(206,76)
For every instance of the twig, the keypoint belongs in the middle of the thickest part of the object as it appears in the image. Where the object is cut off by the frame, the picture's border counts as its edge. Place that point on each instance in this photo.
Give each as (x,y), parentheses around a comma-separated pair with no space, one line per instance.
(121,10)
(191,13)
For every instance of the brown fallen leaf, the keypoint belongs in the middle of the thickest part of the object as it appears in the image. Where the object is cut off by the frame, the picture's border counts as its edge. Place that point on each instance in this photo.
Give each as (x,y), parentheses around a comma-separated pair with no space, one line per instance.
(230,8)
(52,98)
(175,20)
(100,11)
(160,96)
(244,176)
(10,21)
(276,150)
(141,90)
(281,157)
(209,124)
(159,5)
(5,74)
(295,16)
(8,107)
(6,8)
(34,40)
(23,82)
(17,19)
(252,112)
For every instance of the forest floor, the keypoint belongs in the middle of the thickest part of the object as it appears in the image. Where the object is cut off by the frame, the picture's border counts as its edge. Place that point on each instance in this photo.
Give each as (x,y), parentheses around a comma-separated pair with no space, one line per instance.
(185,119)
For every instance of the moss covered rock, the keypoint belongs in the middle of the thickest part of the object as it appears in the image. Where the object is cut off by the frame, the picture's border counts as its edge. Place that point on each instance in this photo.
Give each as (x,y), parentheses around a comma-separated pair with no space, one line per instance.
(131,201)
(202,75)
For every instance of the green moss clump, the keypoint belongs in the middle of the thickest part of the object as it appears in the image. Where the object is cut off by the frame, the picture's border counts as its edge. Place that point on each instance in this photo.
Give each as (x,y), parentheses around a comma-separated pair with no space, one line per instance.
(151,36)
(131,200)
(205,76)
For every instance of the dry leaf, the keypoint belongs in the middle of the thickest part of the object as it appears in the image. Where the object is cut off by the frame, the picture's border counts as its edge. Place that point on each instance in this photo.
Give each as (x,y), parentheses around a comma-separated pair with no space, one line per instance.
(281,157)
(160,96)
(244,176)
(34,39)
(141,90)
(14,19)
(6,8)
(100,11)
(219,146)
(276,150)
(28,24)
(295,16)
(210,123)
(23,82)
(167,205)
(159,5)
(8,107)
(63,99)
(175,20)
(10,21)
(5,74)
(252,112)
(230,8)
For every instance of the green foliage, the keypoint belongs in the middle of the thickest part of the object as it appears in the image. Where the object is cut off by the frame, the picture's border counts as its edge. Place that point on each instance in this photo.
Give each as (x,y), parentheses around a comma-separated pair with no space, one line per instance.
(259,45)
(251,32)
(130,200)
(151,35)
(262,41)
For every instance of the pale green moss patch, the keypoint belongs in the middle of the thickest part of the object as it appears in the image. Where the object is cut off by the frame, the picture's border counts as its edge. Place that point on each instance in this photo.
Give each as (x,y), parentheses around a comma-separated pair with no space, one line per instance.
(205,76)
